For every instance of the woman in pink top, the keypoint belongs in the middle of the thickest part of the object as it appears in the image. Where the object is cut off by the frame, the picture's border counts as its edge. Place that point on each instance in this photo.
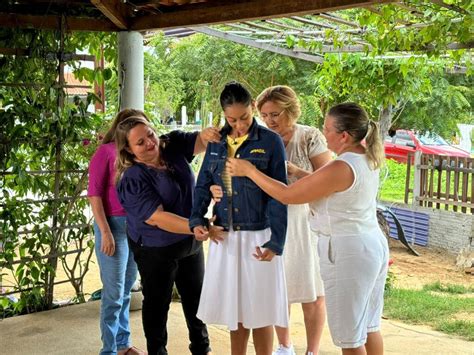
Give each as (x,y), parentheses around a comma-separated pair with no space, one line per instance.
(118,270)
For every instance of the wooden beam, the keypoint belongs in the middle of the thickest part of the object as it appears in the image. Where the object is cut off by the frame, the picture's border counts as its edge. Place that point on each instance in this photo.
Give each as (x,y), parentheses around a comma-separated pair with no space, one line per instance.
(312,23)
(251,43)
(223,12)
(115,11)
(49,22)
(337,19)
(451,7)
(21,52)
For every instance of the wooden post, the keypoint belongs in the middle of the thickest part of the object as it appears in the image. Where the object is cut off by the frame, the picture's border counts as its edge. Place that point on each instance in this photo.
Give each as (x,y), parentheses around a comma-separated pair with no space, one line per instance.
(99,89)
(53,259)
(407,177)
(417,180)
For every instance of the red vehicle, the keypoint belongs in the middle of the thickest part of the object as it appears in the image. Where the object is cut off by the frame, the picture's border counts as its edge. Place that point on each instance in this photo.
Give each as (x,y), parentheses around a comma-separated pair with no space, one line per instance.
(405,141)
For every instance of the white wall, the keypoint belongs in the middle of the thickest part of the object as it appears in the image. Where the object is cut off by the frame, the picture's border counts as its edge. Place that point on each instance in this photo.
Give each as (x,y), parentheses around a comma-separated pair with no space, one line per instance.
(448,230)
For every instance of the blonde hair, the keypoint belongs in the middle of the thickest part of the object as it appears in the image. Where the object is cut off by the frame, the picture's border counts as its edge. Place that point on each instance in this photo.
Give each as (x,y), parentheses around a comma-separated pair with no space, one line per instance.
(125,159)
(122,115)
(283,96)
(353,119)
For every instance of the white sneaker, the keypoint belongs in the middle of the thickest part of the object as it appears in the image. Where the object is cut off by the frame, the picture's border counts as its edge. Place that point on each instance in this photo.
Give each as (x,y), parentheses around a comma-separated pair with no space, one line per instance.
(283,350)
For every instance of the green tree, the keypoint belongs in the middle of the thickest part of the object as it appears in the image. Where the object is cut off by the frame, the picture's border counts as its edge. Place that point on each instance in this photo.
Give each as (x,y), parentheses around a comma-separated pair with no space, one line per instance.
(164,89)
(439,111)
(382,87)
(205,64)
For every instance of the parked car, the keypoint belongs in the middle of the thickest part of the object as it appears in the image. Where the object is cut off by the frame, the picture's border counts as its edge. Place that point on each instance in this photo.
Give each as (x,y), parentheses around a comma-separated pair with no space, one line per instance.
(404,141)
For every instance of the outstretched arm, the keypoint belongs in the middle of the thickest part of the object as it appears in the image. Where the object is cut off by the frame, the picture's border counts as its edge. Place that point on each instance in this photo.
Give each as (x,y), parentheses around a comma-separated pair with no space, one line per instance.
(207,135)
(332,177)
(169,222)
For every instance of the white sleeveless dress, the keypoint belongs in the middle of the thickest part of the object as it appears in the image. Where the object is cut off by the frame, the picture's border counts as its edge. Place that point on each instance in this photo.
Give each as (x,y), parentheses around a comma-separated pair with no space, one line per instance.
(353,256)
(303,277)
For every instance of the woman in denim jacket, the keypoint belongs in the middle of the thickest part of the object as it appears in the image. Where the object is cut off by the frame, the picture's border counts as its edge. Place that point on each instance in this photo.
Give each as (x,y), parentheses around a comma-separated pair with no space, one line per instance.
(244,284)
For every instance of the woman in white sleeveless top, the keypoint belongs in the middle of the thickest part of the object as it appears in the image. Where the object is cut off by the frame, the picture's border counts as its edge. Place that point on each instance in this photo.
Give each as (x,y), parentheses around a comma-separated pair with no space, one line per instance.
(353,249)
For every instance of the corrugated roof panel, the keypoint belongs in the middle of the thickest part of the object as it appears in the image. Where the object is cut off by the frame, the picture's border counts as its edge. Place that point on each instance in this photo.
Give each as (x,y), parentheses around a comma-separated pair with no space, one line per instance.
(415,225)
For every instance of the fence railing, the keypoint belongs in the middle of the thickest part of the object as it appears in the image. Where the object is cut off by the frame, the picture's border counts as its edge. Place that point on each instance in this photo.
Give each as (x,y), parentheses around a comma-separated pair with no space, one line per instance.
(441,182)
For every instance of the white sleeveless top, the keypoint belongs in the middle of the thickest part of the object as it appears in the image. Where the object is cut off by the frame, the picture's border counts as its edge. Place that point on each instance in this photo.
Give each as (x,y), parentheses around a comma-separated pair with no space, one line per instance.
(351,212)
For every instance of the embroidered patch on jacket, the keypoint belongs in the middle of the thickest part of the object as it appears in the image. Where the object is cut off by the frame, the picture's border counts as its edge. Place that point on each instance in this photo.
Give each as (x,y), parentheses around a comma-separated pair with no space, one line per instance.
(256,151)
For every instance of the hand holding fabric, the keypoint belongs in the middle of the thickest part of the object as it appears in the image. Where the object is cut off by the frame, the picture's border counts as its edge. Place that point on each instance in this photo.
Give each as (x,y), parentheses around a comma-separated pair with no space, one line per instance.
(263,254)
(217,193)
(239,167)
(210,135)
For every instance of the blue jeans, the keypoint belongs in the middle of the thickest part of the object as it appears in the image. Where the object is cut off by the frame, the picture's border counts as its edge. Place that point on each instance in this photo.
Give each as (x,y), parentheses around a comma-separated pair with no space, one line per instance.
(118,274)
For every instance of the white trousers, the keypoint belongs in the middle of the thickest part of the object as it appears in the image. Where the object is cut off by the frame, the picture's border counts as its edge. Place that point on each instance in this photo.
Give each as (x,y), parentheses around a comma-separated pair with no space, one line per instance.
(353,269)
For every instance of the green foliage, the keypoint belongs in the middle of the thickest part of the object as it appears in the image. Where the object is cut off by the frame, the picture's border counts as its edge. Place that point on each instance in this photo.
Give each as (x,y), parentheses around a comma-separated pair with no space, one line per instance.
(463,328)
(389,27)
(164,90)
(43,155)
(438,311)
(206,64)
(374,83)
(439,112)
(449,288)
(390,281)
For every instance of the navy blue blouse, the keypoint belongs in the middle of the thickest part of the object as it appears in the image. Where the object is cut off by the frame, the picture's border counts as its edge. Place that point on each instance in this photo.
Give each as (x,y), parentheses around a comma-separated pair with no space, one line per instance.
(142,189)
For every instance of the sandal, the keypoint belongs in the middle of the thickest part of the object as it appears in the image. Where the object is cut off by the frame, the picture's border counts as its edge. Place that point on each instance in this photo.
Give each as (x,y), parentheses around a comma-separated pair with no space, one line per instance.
(135,351)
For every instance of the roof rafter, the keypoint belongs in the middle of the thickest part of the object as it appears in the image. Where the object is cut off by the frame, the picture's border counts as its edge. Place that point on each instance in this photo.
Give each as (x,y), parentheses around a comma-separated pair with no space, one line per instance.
(114,11)
(267,47)
(337,19)
(312,23)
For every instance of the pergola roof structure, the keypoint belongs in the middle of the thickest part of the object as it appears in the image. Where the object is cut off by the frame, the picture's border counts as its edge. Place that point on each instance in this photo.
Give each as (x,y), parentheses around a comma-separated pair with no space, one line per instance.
(141,15)
(309,37)
(303,29)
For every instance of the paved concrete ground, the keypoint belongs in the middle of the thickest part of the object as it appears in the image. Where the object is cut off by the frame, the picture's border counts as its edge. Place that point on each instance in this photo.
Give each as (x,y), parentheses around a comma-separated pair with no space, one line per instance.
(75,330)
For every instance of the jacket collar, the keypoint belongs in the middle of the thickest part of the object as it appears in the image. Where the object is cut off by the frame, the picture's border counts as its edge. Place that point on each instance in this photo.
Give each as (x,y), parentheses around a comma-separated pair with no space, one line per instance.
(253,131)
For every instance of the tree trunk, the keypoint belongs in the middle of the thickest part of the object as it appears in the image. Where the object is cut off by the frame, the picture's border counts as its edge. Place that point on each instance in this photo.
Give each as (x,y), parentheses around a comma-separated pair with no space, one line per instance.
(385,120)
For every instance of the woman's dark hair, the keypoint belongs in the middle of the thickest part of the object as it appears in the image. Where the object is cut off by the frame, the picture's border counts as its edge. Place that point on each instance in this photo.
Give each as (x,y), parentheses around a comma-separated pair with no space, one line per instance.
(352,118)
(235,93)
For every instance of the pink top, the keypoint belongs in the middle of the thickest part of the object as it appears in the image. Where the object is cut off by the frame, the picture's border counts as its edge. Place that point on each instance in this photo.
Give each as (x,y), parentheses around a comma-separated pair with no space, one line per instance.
(101,179)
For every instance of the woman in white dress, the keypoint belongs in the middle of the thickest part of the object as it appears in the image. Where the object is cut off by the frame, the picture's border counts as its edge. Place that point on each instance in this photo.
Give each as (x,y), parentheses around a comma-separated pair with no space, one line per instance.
(353,249)
(244,283)
(306,151)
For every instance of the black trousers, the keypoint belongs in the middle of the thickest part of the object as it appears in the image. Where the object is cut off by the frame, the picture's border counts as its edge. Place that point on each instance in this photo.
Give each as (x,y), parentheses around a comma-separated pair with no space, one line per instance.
(160,267)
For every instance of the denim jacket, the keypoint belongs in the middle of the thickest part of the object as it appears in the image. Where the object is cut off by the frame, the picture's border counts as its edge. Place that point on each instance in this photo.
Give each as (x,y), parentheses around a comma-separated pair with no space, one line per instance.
(249,208)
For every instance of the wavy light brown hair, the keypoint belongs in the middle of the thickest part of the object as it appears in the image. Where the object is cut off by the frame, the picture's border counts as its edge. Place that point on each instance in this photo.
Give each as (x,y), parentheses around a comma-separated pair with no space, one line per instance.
(353,119)
(122,115)
(283,96)
(125,159)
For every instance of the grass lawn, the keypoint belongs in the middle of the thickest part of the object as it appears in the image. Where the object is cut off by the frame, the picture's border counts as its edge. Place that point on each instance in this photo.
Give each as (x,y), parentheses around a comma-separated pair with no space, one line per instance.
(446,308)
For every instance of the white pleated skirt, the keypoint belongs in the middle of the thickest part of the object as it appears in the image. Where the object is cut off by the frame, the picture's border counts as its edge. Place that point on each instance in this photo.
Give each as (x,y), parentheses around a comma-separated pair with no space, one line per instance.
(238,288)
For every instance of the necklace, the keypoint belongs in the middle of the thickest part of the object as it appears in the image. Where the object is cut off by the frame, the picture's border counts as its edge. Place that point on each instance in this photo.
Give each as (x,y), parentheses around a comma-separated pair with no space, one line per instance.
(234,140)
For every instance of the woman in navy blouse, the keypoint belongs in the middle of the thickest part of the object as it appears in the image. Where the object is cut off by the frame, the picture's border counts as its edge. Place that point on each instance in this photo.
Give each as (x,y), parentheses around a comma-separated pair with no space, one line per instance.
(155,186)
